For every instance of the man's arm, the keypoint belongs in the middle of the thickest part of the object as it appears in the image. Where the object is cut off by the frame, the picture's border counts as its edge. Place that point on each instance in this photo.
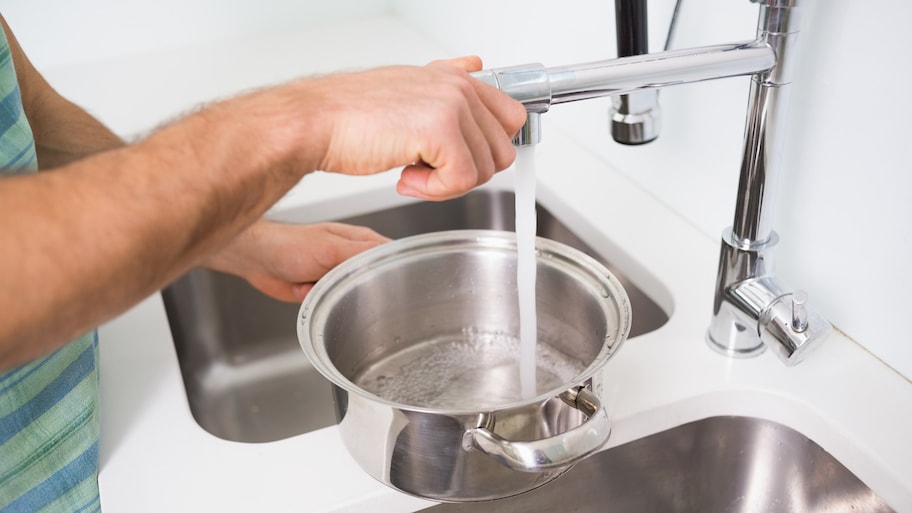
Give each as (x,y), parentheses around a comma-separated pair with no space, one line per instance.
(63,131)
(281,260)
(98,234)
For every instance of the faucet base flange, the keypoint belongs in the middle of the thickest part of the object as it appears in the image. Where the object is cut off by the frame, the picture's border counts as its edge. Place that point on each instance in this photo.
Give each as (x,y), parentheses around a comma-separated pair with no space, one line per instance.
(734,349)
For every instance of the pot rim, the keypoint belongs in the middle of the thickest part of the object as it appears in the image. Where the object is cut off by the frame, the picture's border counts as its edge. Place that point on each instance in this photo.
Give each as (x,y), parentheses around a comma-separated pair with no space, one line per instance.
(336,281)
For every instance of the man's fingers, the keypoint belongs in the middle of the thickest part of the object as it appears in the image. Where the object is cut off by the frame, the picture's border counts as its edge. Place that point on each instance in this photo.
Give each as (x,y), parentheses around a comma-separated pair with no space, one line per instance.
(479,149)
(460,126)
(495,114)
(355,233)
(499,118)
(457,174)
(299,291)
(467,63)
(510,113)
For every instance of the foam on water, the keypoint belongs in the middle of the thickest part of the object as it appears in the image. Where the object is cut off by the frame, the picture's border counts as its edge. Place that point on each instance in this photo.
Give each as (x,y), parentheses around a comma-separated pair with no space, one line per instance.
(472,370)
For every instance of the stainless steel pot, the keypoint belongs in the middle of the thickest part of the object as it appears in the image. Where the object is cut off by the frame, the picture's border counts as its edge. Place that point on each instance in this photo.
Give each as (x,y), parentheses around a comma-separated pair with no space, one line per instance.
(419,338)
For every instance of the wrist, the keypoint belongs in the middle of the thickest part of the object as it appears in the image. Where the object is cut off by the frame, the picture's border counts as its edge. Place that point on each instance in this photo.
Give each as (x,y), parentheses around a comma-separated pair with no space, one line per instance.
(294,123)
(238,254)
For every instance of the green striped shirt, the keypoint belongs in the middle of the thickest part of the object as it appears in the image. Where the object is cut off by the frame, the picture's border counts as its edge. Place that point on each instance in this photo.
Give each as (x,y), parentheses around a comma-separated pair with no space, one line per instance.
(49,407)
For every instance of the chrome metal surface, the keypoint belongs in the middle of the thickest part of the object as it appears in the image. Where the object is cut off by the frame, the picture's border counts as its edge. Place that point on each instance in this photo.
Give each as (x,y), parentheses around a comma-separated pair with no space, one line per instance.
(799,311)
(530,133)
(719,464)
(244,372)
(635,117)
(551,453)
(527,83)
(765,130)
(748,311)
(597,79)
(736,308)
(753,311)
(792,343)
(424,331)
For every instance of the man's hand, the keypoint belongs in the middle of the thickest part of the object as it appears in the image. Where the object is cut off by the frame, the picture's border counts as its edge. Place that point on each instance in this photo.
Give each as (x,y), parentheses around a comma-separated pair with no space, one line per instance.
(285,260)
(450,131)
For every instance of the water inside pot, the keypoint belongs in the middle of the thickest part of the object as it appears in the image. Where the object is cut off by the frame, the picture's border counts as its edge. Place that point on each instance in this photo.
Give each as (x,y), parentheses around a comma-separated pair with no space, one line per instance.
(432,321)
(467,371)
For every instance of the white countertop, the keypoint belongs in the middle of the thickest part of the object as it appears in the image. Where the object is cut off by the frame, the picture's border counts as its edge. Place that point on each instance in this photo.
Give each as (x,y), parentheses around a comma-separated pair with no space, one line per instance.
(155,457)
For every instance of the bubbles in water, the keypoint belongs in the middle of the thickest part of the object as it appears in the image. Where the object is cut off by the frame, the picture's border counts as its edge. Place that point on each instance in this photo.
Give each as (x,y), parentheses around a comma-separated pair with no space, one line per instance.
(475,370)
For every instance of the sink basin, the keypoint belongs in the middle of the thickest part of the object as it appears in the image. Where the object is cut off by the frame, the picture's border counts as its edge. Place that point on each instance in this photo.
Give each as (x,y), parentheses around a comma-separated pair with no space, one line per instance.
(244,372)
(719,464)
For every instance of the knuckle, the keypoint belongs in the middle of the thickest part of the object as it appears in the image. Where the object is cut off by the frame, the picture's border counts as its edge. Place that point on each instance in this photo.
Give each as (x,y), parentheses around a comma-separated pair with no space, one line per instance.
(518,117)
(449,116)
(458,88)
(328,257)
(504,158)
(465,181)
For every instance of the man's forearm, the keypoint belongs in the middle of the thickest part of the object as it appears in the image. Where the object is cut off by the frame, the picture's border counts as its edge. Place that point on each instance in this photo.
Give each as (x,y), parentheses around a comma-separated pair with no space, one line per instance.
(98,234)
(121,224)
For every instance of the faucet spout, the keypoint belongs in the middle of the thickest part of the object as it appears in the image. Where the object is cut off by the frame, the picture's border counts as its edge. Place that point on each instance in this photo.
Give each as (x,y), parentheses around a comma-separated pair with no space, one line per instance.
(538,88)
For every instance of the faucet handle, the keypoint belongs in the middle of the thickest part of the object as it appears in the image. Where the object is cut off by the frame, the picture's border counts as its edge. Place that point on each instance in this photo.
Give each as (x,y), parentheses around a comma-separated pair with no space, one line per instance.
(791,328)
(799,311)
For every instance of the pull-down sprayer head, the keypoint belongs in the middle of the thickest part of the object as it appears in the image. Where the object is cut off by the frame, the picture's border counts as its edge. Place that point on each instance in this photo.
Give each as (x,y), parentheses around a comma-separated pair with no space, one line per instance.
(635,117)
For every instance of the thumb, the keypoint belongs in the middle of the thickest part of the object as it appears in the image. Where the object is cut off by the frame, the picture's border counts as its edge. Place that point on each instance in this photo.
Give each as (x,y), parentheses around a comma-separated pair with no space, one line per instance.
(300,290)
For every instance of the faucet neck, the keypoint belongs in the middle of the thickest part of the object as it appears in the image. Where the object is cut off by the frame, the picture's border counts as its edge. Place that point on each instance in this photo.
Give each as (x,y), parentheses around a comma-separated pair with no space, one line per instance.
(764,135)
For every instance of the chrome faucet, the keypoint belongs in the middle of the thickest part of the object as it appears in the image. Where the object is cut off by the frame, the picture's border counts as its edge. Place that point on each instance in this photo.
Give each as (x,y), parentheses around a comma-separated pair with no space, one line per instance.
(752,310)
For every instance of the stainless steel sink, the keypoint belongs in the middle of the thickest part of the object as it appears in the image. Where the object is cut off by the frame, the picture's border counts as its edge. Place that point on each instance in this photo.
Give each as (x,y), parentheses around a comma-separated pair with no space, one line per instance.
(245,374)
(719,465)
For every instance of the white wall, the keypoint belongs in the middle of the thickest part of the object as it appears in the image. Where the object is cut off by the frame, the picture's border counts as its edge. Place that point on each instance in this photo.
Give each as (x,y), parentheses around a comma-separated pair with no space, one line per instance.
(64,32)
(845,200)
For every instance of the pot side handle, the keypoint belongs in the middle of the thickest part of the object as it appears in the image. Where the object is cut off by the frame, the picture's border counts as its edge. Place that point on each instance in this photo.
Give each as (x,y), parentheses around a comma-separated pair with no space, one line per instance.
(550,453)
